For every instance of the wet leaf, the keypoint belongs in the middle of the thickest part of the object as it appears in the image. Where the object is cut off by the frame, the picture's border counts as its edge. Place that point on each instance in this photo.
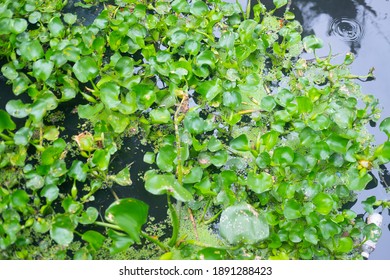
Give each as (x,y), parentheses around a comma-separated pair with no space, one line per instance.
(210,89)
(56,27)
(42,69)
(129,214)
(78,171)
(242,224)
(165,184)
(85,69)
(89,216)
(259,183)
(109,94)
(101,159)
(122,178)
(283,156)
(61,230)
(199,8)
(311,43)
(31,50)
(22,136)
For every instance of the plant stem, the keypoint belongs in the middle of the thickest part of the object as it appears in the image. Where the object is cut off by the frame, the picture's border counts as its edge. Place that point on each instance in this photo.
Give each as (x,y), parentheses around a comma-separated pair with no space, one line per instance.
(103,224)
(155,241)
(175,223)
(205,210)
(212,219)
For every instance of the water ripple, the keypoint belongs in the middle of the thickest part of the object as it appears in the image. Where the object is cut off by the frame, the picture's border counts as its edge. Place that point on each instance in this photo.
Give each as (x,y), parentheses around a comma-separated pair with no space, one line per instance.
(347,29)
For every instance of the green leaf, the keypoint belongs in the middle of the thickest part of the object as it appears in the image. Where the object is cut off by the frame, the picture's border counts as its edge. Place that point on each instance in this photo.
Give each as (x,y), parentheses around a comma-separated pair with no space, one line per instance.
(385,126)
(42,69)
(199,8)
(51,192)
(149,157)
(283,156)
(259,183)
(165,158)
(311,43)
(268,103)
(78,171)
(211,253)
(357,182)
(160,116)
(178,38)
(227,40)
(311,235)
(194,124)
(242,224)
(122,178)
(323,203)
(305,105)
(382,152)
(62,229)
(22,136)
(41,225)
(165,184)
(270,139)
(19,25)
(328,228)
(9,71)
(214,144)
(232,99)
(120,241)
(56,27)
(19,200)
(85,69)
(89,216)
(192,47)
(219,158)
(6,122)
(280,3)
(210,89)
(337,143)
(344,245)
(180,6)
(194,176)
(31,50)
(101,158)
(125,67)
(292,209)
(109,93)
(94,238)
(206,57)
(129,214)
(240,143)
(70,18)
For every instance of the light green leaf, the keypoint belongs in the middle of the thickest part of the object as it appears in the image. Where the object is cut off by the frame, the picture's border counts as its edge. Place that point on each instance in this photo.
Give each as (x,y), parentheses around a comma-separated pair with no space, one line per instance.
(122,178)
(42,69)
(94,238)
(240,143)
(323,203)
(242,224)
(62,229)
(259,183)
(85,69)
(31,50)
(165,184)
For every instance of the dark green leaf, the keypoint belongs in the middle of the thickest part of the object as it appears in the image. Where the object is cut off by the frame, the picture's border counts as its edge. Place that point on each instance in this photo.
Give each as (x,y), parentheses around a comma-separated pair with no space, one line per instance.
(240,143)
(129,214)
(6,122)
(94,238)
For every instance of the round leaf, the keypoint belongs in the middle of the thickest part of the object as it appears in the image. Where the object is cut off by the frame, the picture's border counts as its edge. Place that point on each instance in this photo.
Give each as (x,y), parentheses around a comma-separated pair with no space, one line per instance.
(129,214)
(243,224)
(85,69)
